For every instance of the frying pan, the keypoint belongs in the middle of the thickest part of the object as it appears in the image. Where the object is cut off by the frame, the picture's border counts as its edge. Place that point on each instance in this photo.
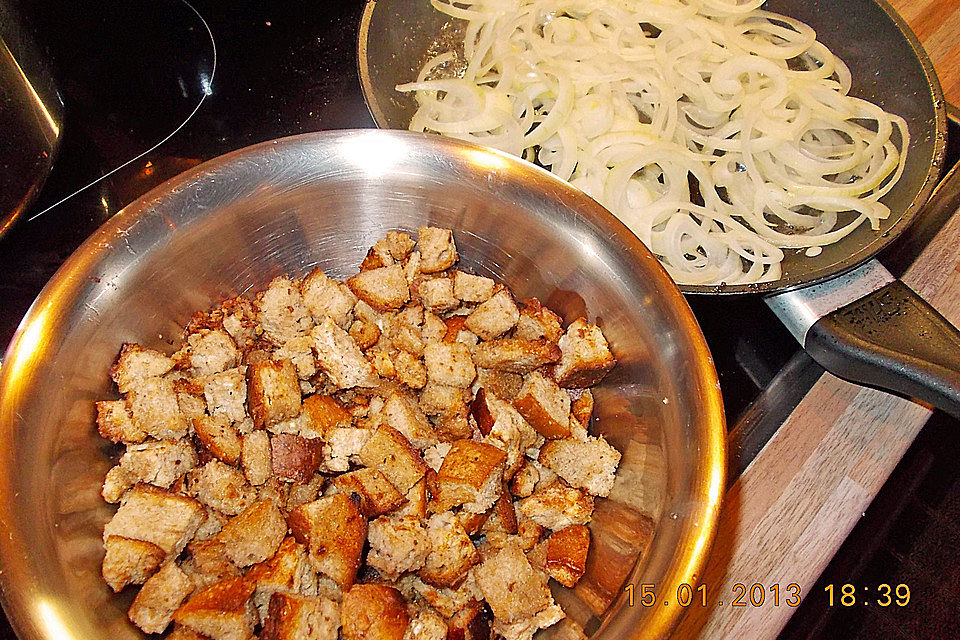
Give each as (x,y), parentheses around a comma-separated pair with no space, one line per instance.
(843,306)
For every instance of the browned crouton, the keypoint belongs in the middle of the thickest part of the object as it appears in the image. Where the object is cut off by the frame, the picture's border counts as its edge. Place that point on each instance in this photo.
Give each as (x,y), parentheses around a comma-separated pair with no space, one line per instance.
(327,298)
(515,355)
(383,289)
(503,516)
(416,501)
(226,394)
(567,554)
(391,453)
(303,493)
(254,535)
(433,328)
(239,320)
(208,563)
(510,432)
(160,463)
(295,459)
(136,364)
(281,311)
(373,260)
(115,484)
(365,334)
(273,392)
(443,400)
(334,531)
(397,545)
(480,410)
(155,410)
(544,405)
(470,476)
(181,632)
(585,358)
(557,506)
(153,608)
(400,244)
(402,412)
(299,351)
(115,423)
(581,405)
(255,457)
(590,464)
(536,321)
(449,364)
(343,447)
(325,413)
(222,611)
(377,496)
(190,398)
(209,351)
(526,628)
(219,437)
(451,552)
(340,357)
(512,588)
(154,515)
(436,294)
(129,561)
(524,480)
(373,612)
(493,318)
(427,624)
(410,370)
(437,249)
(221,487)
(471,288)
(295,617)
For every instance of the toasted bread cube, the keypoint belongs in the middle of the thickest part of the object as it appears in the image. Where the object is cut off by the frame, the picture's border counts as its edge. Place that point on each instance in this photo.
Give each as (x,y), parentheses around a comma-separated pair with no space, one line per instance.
(158,462)
(449,364)
(256,458)
(295,459)
(190,398)
(273,392)
(403,413)
(434,455)
(471,476)
(443,400)
(480,410)
(437,249)
(397,545)
(288,571)
(299,351)
(303,493)
(493,318)
(295,617)
(391,453)
(585,356)
(400,244)
(128,561)
(219,437)
(581,406)
(208,563)
(325,413)
(136,364)
(451,552)
(544,405)
(334,531)
(343,447)
(281,311)
(590,464)
(365,334)
(239,320)
(410,370)
(222,611)
(471,288)
(525,480)
(536,321)
(153,608)
(181,632)
(525,629)
(340,358)
(327,298)
(515,355)
(436,294)
(221,487)
(115,484)
(155,410)
(254,535)
(511,586)
(503,515)
(426,625)
(557,506)
(154,515)
(226,394)
(383,289)
(115,423)
(509,432)
(567,554)
(377,496)
(416,501)
(208,352)
(471,622)
(373,612)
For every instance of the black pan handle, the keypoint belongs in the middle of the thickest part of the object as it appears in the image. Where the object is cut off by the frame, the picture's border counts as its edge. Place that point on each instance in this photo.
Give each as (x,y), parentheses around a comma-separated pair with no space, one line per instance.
(892,339)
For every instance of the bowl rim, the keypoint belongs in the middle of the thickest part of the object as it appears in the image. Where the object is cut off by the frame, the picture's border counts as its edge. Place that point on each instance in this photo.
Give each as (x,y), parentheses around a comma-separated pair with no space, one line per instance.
(708,478)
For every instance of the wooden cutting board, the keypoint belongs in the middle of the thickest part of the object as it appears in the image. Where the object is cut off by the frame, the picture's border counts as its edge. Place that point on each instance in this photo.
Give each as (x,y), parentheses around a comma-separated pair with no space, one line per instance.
(937,24)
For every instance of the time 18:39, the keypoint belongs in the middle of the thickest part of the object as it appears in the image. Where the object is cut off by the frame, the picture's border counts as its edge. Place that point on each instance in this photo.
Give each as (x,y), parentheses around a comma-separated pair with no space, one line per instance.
(846,595)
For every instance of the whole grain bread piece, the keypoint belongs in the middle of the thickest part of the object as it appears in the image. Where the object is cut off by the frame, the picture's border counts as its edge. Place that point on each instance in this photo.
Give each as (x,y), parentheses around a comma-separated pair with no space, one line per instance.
(294,458)
(334,530)
(515,355)
(128,561)
(471,288)
(324,297)
(449,364)
(566,558)
(325,412)
(222,611)
(585,356)
(153,608)
(343,447)
(391,453)
(402,412)
(398,544)
(296,617)
(384,288)
(115,423)
(155,410)
(435,294)
(281,311)
(158,462)
(514,590)
(273,392)
(400,244)
(470,477)
(221,487)
(438,251)
(208,351)
(287,571)
(451,552)
(503,384)
(255,457)
(493,318)
(219,437)
(536,321)
(444,400)
(254,535)
(136,364)
(589,464)
(157,516)
(544,405)
(375,493)
(373,612)
(340,357)
(557,506)
(409,369)
(208,563)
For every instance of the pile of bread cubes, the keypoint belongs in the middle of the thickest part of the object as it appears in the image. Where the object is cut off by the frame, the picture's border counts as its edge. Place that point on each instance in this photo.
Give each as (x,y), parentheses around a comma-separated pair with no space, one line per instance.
(403,456)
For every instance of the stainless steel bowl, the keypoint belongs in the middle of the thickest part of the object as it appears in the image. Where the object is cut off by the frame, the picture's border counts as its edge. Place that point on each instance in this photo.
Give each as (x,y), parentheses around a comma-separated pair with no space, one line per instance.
(231,225)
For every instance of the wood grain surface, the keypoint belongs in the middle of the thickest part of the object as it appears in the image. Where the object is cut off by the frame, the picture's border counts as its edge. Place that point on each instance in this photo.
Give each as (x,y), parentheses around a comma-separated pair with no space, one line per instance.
(937,24)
